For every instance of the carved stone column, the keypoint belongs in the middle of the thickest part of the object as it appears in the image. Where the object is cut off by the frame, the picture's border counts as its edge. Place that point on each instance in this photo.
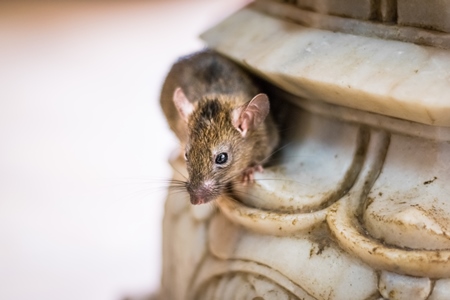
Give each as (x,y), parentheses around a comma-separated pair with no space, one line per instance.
(356,204)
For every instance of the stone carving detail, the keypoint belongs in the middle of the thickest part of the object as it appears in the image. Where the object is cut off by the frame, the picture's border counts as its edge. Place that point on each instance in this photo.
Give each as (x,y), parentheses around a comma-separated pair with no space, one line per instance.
(326,244)
(242,286)
(355,204)
(403,287)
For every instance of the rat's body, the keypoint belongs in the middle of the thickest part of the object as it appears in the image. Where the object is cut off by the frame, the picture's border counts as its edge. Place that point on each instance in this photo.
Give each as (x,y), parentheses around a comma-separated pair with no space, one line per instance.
(215,110)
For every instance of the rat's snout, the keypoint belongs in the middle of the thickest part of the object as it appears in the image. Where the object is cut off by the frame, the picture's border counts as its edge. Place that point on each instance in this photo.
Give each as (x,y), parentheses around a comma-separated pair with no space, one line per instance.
(202,193)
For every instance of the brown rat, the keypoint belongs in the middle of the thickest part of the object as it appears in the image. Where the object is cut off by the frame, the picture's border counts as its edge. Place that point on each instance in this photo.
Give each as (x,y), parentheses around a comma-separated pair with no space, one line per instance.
(222,120)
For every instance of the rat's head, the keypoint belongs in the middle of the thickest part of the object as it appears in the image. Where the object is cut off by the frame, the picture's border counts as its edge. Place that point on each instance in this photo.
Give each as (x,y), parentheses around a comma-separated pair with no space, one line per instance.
(219,145)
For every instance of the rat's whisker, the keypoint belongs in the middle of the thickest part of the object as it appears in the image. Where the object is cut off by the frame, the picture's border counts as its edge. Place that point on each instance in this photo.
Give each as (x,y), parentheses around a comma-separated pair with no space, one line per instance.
(283,180)
(243,194)
(276,151)
(287,128)
(182,175)
(141,193)
(177,192)
(212,206)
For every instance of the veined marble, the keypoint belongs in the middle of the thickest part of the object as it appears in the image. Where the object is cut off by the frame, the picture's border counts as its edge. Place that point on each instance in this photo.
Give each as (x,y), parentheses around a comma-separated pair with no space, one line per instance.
(356,203)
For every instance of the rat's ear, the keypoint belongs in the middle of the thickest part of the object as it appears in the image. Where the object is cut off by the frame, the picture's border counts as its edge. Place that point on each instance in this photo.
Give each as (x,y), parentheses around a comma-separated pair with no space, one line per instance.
(251,114)
(183,105)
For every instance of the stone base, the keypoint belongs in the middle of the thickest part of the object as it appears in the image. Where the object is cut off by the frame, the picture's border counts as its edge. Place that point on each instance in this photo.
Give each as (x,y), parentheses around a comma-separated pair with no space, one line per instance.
(355,204)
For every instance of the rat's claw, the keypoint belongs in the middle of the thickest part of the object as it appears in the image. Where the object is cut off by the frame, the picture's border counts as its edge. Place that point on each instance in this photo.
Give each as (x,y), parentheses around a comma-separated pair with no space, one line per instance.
(248,178)
(259,168)
(248,174)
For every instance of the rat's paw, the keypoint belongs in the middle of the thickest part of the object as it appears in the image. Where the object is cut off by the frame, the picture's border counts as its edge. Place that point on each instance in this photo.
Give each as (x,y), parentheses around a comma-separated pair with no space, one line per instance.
(248,174)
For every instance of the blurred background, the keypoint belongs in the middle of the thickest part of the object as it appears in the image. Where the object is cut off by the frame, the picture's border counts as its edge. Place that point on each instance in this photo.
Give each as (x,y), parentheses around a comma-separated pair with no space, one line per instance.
(83,143)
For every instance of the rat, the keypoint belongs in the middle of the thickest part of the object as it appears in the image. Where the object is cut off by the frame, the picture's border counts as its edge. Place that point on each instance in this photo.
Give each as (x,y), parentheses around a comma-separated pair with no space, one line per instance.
(222,120)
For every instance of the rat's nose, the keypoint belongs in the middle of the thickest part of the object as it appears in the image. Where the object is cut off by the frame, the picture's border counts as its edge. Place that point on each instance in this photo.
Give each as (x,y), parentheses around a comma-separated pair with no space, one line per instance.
(196,200)
(201,194)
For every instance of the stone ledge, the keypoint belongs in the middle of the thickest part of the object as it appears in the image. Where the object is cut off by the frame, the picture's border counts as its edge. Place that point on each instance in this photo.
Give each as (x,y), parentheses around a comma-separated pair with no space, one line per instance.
(396,79)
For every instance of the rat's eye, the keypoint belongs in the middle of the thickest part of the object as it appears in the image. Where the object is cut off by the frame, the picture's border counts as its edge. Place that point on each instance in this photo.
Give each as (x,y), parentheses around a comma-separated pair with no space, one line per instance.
(221,158)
